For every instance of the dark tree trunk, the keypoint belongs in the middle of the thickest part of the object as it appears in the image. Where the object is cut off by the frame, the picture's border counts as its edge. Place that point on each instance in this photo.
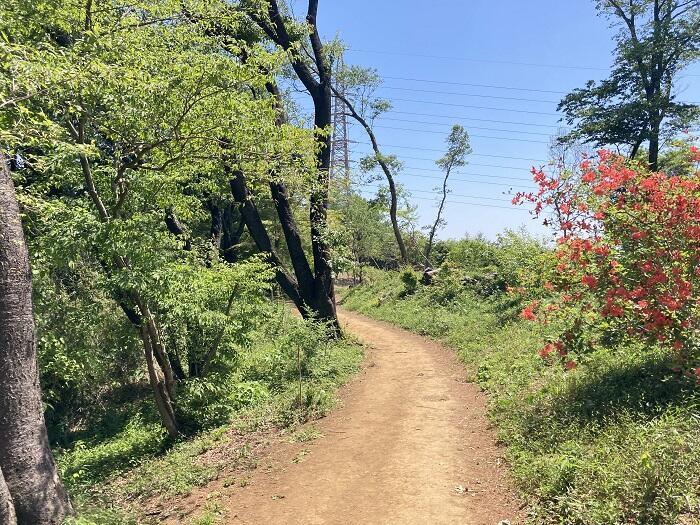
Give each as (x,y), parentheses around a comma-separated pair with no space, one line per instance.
(317,81)
(217,226)
(655,132)
(258,232)
(177,229)
(27,464)
(233,227)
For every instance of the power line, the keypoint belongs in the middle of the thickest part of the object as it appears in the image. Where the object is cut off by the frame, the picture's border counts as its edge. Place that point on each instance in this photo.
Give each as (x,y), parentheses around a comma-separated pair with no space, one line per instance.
(474,136)
(470,127)
(441,151)
(459,179)
(491,86)
(484,182)
(484,60)
(474,107)
(516,168)
(520,99)
(511,208)
(448,201)
(483,197)
(500,177)
(475,119)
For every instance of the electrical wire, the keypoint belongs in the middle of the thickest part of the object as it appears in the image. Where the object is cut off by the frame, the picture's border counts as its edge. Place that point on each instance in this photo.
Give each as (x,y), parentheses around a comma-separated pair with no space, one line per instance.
(441,151)
(470,135)
(470,127)
(520,99)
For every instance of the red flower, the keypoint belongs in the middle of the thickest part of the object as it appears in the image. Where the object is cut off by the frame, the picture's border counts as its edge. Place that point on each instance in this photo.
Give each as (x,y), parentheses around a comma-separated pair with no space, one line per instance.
(546,350)
(590,280)
(529,311)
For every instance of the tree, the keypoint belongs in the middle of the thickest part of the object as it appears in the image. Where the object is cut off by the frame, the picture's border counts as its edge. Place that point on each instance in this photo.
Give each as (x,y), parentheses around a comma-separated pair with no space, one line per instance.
(311,290)
(129,135)
(29,482)
(366,231)
(457,150)
(354,79)
(637,104)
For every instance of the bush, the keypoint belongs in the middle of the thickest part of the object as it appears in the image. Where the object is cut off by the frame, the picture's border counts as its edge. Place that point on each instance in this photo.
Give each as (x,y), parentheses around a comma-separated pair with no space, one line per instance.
(410,279)
(626,260)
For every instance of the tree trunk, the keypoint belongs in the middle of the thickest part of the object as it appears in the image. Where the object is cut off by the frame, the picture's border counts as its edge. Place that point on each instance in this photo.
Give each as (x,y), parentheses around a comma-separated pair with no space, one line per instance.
(655,131)
(162,396)
(7,507)
(393,209)
(429,246)
(164,402)
(317,80)
(157,346)
(26,461)
(233,228)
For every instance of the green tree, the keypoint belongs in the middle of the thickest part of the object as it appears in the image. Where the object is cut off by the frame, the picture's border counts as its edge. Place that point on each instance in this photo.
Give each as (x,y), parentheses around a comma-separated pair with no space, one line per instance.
(457,150)
(136,104)
(358,85)
(637,103)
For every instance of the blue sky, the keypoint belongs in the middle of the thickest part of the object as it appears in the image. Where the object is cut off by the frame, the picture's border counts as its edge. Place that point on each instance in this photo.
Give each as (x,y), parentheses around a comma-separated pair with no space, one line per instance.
(428,52)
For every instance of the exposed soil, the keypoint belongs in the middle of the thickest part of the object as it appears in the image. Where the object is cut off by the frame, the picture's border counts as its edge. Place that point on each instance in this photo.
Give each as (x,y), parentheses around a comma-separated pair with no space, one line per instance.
(410,444)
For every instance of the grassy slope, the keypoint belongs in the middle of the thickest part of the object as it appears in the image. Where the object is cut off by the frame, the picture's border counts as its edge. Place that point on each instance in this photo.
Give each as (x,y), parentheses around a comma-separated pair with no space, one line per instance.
(127,459)
(615,441)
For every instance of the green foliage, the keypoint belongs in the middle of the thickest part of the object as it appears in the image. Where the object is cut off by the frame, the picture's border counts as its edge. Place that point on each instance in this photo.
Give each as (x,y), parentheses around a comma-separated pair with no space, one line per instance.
(458,148)
(610,442)
(655,42)
(133,459)
(409,278)
(488,269)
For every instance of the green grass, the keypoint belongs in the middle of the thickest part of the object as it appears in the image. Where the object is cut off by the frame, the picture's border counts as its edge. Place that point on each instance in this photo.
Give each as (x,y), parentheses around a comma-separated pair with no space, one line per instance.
(119,463)
(615,441)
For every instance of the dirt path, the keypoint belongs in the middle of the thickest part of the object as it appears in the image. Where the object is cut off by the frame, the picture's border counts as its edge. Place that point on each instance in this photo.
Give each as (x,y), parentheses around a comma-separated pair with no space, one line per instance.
(409,445)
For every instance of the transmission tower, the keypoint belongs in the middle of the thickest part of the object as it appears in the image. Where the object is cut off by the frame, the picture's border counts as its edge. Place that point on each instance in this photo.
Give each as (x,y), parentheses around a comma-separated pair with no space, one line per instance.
(340,155)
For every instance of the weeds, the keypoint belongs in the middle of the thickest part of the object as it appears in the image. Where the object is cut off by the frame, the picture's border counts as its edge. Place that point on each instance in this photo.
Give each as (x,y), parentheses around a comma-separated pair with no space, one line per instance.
(133,460)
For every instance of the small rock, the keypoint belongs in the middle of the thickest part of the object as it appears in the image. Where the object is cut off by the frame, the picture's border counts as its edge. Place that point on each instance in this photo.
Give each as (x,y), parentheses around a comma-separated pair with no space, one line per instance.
(504,522)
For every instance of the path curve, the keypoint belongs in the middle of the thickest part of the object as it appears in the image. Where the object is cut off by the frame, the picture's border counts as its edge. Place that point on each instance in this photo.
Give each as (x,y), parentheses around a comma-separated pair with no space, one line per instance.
(410,444)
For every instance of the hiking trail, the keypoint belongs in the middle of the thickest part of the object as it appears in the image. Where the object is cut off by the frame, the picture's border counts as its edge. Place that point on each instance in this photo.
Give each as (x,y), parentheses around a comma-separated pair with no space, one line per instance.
(408,444)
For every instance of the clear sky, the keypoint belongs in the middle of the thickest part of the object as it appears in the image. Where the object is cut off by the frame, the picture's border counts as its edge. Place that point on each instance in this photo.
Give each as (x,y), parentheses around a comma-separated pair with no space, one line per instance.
(437,59)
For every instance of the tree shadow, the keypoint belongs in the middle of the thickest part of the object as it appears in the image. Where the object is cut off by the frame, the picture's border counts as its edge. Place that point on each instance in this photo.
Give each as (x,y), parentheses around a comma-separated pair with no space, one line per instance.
(643,389)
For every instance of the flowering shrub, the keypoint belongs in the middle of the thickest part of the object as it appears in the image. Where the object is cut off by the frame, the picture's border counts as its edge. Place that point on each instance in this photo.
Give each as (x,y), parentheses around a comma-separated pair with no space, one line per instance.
(627,259)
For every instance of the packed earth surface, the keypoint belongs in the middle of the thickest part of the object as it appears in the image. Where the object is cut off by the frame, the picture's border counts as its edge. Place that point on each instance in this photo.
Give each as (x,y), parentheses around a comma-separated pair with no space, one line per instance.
(409,444)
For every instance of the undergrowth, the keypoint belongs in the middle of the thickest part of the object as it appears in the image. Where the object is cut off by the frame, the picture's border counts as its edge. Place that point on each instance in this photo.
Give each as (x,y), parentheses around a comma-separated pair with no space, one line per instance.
(130,459)
(615,441)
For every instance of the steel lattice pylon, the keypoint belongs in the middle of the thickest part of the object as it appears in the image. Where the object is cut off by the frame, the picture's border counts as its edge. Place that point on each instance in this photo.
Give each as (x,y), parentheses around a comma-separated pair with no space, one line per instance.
(340,154)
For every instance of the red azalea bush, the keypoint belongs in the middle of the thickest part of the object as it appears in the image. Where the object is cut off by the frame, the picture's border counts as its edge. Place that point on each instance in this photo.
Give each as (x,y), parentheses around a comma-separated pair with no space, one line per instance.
(627,259)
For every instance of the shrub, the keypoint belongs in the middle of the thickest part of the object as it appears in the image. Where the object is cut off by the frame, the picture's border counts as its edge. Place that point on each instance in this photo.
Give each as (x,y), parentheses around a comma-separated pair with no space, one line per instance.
(409,278)
(627,259)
